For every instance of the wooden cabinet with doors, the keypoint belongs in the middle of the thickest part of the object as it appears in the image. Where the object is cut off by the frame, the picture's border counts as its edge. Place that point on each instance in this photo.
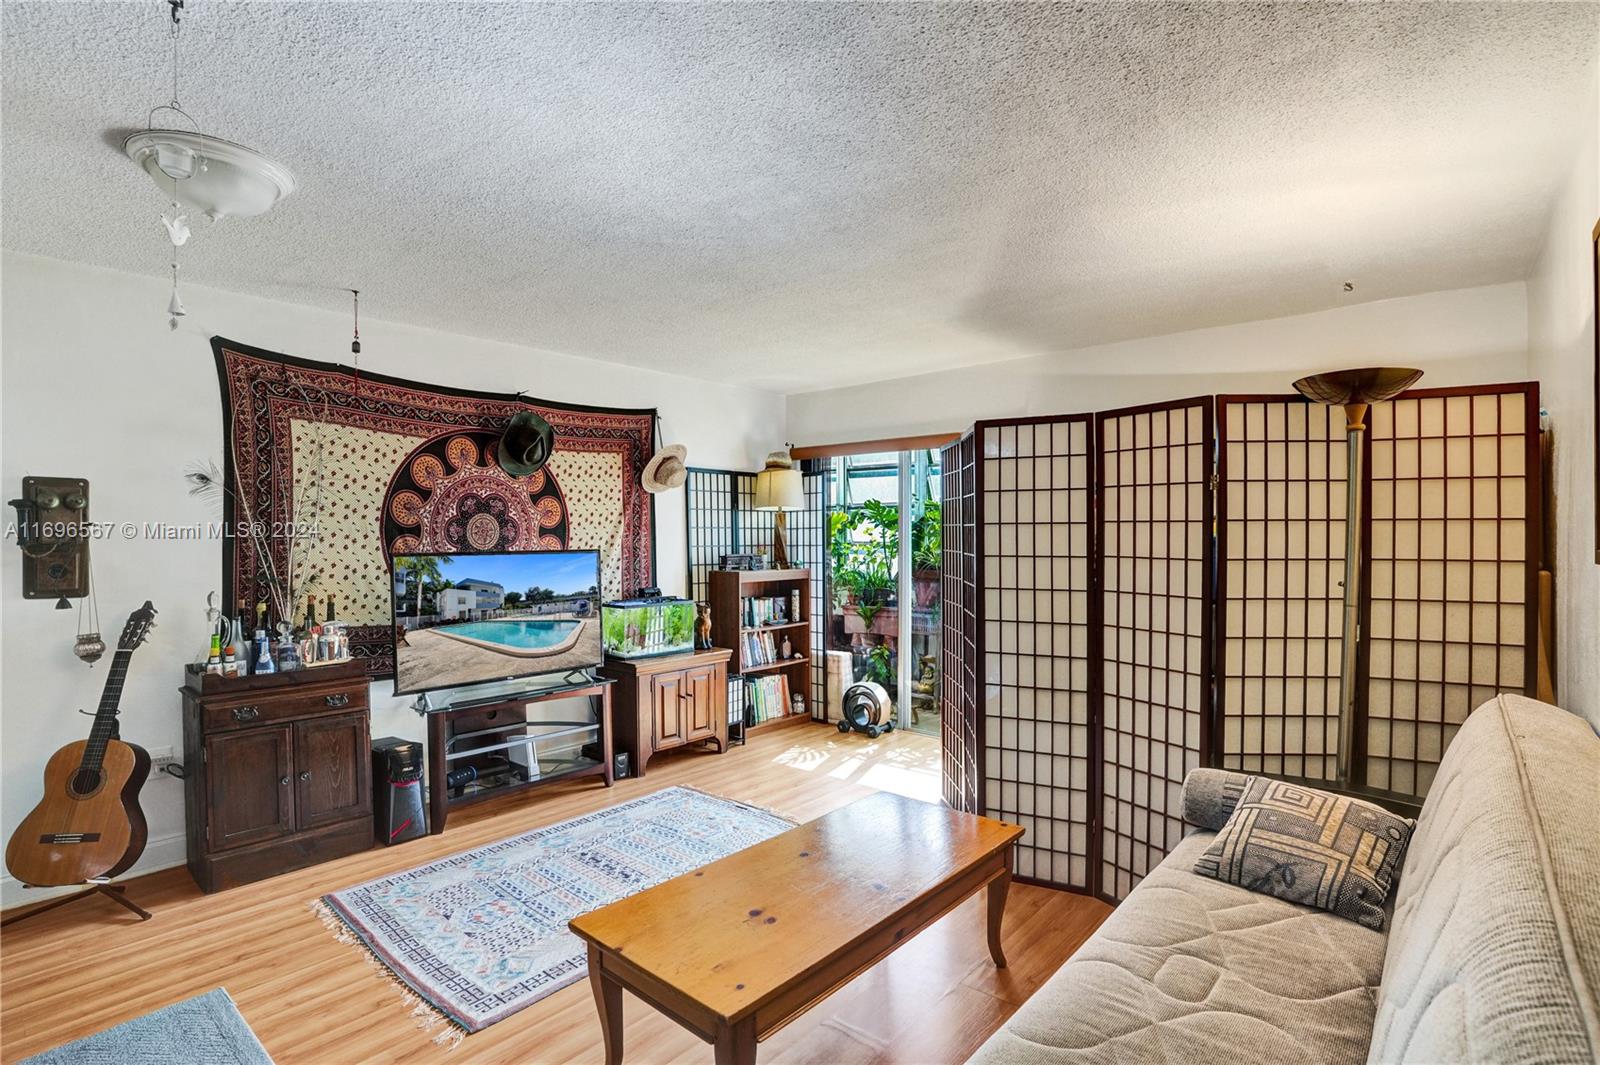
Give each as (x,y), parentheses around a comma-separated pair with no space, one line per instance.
(670,701)
(277,772)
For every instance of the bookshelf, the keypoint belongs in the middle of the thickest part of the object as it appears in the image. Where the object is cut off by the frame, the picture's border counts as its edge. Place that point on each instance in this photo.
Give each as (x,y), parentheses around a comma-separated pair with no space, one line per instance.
(730,616)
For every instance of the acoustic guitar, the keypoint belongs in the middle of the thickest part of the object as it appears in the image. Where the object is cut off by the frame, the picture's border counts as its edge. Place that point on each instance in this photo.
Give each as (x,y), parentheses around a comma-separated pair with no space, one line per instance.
(89,825)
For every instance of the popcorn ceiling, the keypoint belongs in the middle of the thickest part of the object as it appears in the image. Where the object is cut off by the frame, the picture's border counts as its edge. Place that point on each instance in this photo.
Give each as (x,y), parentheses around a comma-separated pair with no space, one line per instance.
(810,195)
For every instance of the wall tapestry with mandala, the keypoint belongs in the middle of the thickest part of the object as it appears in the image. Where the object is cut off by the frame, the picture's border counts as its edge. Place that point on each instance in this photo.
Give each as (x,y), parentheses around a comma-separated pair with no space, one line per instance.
(389,466)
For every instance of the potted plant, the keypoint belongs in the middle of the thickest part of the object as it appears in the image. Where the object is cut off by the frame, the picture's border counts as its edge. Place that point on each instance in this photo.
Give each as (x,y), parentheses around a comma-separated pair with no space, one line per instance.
(864,547)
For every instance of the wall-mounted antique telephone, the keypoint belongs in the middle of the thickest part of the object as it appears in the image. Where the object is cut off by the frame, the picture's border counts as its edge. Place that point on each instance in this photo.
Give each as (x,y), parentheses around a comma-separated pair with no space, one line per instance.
(52,531)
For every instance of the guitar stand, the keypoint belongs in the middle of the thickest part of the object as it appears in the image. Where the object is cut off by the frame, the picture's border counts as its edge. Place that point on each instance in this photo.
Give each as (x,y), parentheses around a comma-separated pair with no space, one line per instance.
(117,893)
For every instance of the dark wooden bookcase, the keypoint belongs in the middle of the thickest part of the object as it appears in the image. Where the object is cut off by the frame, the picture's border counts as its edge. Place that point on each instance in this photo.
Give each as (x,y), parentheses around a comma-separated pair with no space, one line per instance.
(729,589)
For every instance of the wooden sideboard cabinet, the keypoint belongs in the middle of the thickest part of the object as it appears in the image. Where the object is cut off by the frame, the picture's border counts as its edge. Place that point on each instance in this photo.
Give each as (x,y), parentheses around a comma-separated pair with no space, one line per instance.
(277,771)
(669,701)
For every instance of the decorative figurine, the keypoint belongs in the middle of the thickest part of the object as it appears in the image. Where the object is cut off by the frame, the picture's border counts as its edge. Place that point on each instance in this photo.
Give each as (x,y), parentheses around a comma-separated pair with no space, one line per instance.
(702,628)
(287,658)
(788,648)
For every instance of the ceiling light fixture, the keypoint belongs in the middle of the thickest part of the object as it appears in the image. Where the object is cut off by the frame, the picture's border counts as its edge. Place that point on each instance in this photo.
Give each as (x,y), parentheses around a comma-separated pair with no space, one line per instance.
(208,174)
(216,177)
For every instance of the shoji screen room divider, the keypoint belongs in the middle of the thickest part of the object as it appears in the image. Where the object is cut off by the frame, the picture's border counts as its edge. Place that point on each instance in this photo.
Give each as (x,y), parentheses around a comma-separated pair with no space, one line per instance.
(1133,593)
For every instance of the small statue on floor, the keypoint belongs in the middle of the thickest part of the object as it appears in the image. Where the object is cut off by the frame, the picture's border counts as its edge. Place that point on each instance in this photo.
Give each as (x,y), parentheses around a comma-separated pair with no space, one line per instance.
(922,689)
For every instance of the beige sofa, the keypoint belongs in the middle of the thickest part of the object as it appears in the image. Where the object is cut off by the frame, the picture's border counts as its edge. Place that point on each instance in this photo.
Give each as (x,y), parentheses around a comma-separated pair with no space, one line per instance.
(1492,953)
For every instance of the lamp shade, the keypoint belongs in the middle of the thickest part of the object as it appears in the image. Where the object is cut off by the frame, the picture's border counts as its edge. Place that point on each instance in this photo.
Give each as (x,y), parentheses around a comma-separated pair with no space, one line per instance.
(779,489)
(1373,384)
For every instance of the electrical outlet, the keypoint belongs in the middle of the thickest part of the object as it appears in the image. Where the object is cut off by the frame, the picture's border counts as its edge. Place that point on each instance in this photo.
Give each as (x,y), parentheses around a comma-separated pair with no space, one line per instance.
(160,758)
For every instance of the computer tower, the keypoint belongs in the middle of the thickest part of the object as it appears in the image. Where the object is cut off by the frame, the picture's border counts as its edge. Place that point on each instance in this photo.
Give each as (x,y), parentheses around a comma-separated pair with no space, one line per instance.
(398,811)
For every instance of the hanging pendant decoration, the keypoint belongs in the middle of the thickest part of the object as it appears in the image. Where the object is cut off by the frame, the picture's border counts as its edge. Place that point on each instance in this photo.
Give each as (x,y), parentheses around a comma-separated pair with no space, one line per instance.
(89,646)
(355,316)
(175,308)
(211,175)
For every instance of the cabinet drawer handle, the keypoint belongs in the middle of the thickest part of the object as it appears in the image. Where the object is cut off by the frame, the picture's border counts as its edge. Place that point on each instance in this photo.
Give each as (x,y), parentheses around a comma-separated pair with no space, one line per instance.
(305,774)
(284,782)
(246,713)
(337,700)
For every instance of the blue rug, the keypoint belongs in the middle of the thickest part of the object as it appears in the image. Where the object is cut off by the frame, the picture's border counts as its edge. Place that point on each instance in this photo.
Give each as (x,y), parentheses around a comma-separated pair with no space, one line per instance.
(204,1030)
(482,934)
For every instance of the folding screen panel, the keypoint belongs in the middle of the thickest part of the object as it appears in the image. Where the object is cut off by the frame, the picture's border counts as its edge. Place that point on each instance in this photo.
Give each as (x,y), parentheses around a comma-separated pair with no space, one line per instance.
(1153,467)
(1034,548)
(712,525)
(1448,612)
(807,539)
(958,708)
(720,518)
(1451,585)
(1114,655)
(1282,500)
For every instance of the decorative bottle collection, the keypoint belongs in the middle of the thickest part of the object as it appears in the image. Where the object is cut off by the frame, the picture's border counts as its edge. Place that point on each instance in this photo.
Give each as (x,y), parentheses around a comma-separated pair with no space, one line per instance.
(315,643)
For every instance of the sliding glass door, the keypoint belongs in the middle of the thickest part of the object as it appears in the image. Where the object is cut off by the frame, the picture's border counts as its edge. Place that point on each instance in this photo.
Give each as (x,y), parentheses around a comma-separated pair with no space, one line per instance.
(883,582)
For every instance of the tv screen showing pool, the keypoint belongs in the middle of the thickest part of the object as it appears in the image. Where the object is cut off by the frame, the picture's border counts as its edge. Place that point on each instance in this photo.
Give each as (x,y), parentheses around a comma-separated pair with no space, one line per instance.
(467,619)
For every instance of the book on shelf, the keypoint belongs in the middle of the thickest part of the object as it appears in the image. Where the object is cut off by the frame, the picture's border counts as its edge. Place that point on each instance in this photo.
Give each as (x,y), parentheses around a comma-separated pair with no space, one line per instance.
(766,698)
(760,649)
(759,610)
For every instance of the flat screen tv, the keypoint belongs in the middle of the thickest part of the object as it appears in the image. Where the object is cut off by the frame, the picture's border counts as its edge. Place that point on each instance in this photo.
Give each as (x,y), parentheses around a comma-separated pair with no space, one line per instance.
(472,618)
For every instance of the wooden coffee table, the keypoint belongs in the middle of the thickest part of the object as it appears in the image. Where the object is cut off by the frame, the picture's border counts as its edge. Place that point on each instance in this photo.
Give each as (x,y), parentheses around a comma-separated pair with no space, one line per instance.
(737,949)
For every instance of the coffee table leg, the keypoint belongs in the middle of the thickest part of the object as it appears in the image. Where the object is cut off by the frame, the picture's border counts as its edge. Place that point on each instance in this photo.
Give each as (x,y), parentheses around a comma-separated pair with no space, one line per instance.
(608,1000)
(736,1044)
(997,911)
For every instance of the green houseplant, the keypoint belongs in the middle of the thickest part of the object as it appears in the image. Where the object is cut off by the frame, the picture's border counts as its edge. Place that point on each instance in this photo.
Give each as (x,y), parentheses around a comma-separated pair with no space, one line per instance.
(863,547)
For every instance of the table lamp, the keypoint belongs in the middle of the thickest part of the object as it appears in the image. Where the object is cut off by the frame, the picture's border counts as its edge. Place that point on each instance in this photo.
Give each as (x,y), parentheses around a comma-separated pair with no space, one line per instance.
(779,488)
(1355,391)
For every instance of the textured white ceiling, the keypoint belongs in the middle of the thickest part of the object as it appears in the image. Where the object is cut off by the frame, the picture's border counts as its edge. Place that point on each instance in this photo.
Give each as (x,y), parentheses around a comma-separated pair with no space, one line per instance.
(808,195)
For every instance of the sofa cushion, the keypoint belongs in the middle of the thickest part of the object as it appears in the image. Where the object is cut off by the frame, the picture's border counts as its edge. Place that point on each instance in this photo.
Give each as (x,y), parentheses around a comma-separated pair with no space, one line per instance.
(1194,970)
(1209,796)
(1310,846)
(1494,948)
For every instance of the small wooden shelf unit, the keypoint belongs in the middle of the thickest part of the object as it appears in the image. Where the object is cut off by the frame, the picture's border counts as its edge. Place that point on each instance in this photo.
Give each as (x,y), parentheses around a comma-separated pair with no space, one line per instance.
(729,589)
(669,701)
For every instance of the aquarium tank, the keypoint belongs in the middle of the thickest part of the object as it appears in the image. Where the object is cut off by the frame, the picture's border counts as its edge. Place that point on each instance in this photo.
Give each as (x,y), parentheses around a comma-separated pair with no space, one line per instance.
(639,628)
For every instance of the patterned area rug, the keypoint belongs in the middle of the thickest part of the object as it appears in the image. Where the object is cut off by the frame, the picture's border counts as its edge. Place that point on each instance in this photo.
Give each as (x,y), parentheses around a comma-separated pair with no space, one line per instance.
(483,934)
(204,1030)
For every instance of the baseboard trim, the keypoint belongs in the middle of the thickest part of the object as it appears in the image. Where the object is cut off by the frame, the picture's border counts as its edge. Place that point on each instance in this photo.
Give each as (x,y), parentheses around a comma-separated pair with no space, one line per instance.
(163,852)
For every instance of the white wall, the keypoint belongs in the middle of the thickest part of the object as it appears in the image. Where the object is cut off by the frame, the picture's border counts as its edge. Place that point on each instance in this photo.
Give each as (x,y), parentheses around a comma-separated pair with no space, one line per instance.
(1561,323)
(1462,336)
(95,385)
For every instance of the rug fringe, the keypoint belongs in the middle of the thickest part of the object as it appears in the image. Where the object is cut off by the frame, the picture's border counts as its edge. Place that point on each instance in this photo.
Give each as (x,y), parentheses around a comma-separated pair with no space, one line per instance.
(426,1015)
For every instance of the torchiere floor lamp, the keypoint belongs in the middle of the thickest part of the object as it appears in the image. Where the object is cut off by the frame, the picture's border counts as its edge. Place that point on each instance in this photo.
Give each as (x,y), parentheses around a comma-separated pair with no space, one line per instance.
(1355,391)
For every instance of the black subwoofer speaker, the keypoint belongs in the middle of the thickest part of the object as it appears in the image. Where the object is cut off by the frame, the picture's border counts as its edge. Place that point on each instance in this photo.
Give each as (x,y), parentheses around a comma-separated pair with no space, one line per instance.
(398,812)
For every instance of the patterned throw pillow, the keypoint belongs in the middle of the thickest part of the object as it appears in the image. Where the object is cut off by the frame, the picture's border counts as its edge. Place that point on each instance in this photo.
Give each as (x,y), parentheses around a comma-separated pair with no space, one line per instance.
(1303,845)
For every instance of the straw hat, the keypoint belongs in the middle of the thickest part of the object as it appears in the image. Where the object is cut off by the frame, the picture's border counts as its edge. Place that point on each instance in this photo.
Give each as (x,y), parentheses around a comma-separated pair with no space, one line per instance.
(666,469)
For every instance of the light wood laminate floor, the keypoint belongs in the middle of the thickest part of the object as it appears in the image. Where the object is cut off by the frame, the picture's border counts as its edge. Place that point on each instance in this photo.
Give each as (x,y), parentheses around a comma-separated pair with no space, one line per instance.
(314,1001)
